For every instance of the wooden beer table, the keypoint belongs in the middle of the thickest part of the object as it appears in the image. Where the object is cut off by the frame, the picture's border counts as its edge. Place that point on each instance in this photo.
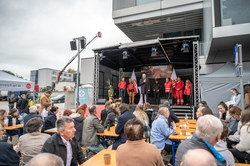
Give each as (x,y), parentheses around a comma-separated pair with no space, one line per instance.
(108,135)
(98,159)
(15,128)
(53,130)
(191,128)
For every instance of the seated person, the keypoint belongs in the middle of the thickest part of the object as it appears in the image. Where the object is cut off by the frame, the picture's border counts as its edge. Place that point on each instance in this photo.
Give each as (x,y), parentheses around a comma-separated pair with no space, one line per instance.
(201,111)
(63,143)
(45,111)
(92,126)
(30,144)
(132,150)
(45,159)
(225,117)
(122,119)
(160,130)
(33,113)
(150,112)
(50,121)
(104,112)
(172,116)
(111,115)
(198,157)
(221,146)
(234,139)
(208,132)
(78,121)
(8,155)
(13,116)
(241,151)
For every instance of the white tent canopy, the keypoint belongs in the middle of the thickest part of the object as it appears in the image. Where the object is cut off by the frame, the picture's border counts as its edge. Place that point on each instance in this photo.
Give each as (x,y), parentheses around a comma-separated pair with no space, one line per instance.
(9,82)
(215,87)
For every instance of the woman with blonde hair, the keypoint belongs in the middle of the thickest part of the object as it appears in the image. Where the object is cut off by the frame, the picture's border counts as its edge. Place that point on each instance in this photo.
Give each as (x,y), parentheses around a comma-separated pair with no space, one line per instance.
(143,117)
(160,130)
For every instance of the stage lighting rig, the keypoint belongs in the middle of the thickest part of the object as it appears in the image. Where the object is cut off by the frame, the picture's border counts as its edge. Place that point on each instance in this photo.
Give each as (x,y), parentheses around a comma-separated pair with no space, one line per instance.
(125,54)
(185,47)
(154,51)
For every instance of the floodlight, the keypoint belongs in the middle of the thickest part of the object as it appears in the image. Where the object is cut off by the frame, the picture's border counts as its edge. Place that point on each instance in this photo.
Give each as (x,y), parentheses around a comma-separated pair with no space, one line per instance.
(153,51)
(124,55)
(73,45)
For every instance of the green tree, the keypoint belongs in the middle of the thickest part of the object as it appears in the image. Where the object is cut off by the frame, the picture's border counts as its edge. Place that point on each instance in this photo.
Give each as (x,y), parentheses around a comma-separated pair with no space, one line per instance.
(9,72)
(71,70)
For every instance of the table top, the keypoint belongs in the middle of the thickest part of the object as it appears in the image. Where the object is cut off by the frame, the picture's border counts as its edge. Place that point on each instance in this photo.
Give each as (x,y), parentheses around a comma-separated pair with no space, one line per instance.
(98,159)
(110,133)
(191,128)
(13,127)
(53,130)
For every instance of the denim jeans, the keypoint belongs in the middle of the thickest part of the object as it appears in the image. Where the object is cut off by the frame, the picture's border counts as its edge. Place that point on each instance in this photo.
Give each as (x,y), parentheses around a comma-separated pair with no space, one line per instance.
(122,94)
(95,148)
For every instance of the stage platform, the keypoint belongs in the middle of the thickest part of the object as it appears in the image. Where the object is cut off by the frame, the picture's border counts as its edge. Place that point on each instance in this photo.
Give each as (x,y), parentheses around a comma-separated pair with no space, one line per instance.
(180,110)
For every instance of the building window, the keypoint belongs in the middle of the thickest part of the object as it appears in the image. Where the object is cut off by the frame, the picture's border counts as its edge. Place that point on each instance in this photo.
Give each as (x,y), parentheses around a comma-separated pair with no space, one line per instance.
(234,12)
(142,2)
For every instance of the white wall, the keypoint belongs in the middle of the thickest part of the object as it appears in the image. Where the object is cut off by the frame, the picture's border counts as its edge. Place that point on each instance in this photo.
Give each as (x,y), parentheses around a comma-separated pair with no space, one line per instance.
(44,78)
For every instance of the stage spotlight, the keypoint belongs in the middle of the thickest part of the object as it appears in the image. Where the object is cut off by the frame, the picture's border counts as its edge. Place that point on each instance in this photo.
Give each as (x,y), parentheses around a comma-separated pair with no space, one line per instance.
(153,51)
(185,47)
(124,55)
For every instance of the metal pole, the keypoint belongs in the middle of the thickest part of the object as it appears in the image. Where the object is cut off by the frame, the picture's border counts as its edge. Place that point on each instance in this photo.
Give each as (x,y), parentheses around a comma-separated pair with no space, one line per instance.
(241,77)
(78,72)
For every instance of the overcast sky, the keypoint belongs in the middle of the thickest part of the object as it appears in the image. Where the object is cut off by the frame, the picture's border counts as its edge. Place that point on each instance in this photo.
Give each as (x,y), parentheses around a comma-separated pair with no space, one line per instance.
(36,33)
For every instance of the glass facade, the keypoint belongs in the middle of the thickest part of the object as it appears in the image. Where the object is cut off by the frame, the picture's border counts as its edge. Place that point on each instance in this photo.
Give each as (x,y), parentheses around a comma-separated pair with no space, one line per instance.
(234,12)
(142,2)
(34,76)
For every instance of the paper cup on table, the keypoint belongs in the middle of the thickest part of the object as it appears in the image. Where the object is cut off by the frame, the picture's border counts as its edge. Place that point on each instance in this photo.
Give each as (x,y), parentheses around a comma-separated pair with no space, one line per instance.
(107,158)
(183,132)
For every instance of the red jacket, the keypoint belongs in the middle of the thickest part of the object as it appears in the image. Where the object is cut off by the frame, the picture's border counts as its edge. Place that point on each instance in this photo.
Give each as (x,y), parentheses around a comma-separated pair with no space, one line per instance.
(179,85)
(122,85)
(167,86)
(187,90)
(131,87)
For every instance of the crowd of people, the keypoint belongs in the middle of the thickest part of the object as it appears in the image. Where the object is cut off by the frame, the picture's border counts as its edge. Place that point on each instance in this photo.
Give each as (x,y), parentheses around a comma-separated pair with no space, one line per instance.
(143,134)
(172,89)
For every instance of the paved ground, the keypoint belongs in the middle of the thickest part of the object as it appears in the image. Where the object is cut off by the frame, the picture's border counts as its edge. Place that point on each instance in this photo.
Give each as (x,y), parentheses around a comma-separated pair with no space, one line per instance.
(4,105)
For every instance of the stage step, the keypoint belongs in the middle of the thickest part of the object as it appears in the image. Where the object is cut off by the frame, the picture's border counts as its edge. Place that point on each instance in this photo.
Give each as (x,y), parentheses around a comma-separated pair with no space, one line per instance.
(181,111)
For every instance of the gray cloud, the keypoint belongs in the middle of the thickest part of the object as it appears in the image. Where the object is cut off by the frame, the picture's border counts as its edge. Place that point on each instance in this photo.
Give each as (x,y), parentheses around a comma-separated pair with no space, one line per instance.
(36,34)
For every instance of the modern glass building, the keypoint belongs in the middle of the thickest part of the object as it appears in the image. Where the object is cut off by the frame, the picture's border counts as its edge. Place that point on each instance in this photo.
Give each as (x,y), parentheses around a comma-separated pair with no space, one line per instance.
(221,24)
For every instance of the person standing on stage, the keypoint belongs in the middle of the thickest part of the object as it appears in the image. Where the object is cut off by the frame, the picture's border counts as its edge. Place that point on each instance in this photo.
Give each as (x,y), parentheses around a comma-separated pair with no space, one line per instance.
(131,91)
(156,90)
(168,89)
(179,90)
(187,91)
(122,88)
(145,87)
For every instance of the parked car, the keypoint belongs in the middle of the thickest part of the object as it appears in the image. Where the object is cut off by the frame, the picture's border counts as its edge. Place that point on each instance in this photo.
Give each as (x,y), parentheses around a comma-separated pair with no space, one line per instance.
(58,99)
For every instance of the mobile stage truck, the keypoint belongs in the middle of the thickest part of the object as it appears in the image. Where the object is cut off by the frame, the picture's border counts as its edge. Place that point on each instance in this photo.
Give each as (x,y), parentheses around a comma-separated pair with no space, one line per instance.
(155,57)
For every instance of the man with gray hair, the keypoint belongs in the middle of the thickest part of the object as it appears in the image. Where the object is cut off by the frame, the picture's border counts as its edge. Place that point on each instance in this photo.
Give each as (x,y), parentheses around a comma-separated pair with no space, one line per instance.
(208,132)
(45,159)
(198,157)
(63,143)
(92,126)
(33,114)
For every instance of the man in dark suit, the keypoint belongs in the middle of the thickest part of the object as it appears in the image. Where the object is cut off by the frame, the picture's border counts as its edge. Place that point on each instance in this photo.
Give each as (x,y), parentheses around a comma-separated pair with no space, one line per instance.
(8,155)
(33,113)
(145,87)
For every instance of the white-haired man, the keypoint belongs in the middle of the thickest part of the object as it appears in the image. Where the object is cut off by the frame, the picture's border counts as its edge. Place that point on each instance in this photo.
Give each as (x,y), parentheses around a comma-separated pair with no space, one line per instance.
(208,132)
(203,156)
(33,114)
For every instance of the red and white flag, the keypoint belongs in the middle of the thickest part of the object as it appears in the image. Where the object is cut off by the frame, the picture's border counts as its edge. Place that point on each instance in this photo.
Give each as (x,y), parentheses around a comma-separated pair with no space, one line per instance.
(133,78)
(173,75)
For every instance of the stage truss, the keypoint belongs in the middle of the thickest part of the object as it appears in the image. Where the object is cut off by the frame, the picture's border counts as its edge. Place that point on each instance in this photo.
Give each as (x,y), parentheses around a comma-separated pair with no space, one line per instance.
(196,72)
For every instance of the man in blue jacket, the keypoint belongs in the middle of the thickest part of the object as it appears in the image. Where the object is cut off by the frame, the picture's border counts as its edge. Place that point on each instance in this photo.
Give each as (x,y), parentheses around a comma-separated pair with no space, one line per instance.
(122,119)
(8,155)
